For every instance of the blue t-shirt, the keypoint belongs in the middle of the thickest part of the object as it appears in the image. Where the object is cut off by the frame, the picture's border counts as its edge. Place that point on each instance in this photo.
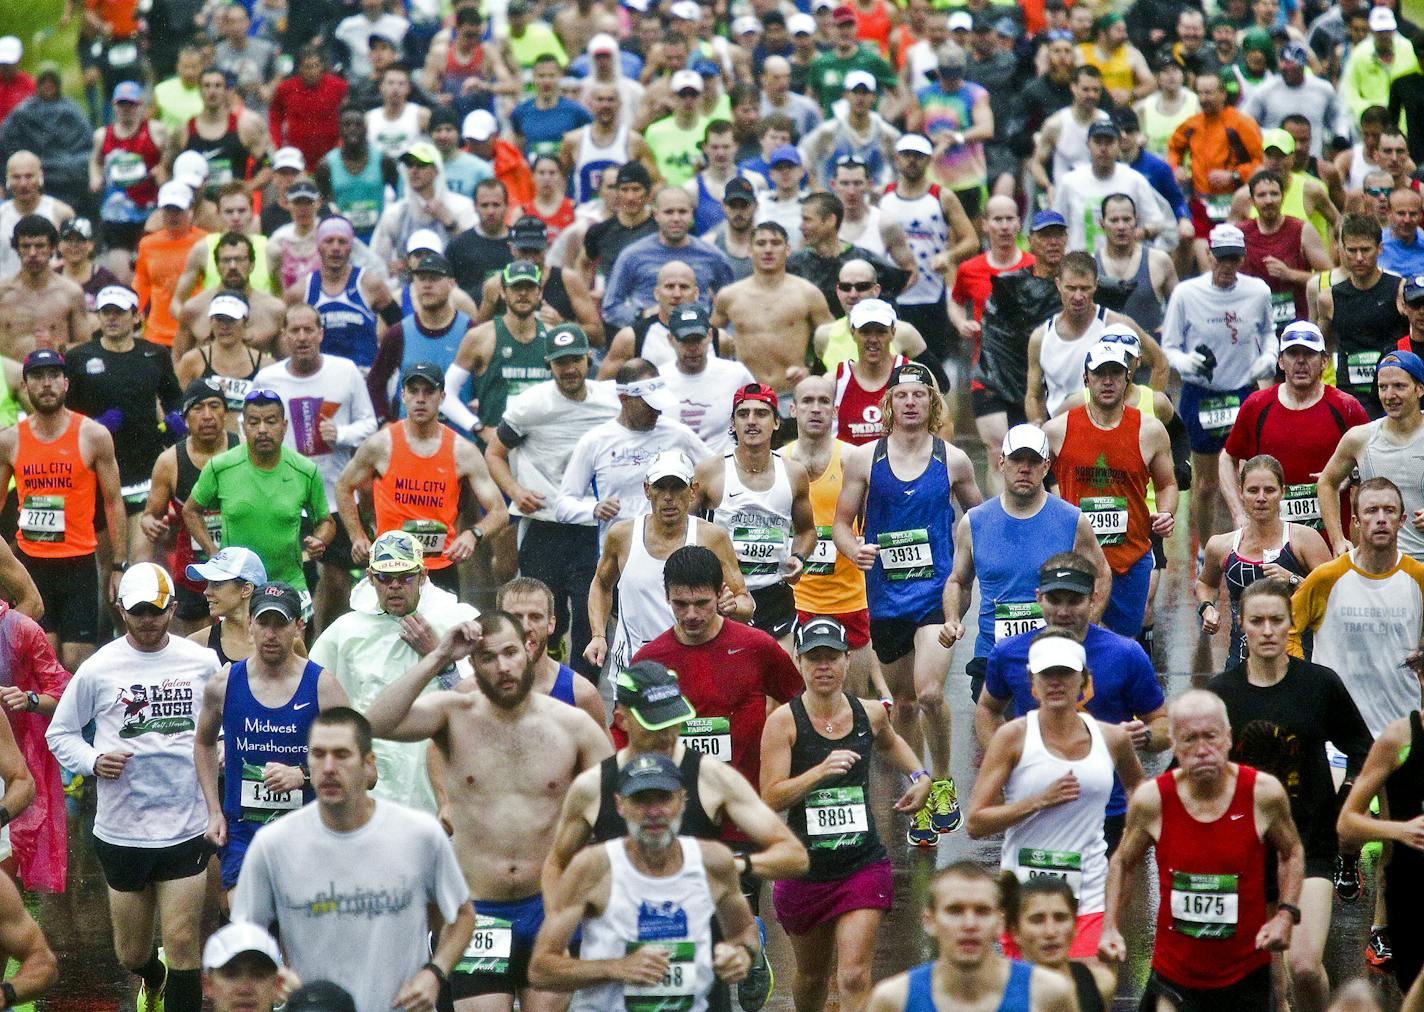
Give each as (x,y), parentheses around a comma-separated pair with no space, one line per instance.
(544,129)
(1124,683)
(629,290)
(631,64)
(1159,174)
(1406,259)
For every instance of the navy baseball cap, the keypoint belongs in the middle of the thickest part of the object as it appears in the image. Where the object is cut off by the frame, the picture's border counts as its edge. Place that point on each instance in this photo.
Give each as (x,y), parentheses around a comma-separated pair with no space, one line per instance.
(1414,288)
(1406,360)
(42,358)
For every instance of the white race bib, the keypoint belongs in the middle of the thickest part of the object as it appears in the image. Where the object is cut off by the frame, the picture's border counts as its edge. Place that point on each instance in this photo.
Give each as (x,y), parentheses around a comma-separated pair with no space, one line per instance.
(712,736)
(1300,505)
(822,561)
(1064,865)
(1107,516)
(1204,906)
(42,518)
(906,555)
(260,804)
(1012,618)
(836,811)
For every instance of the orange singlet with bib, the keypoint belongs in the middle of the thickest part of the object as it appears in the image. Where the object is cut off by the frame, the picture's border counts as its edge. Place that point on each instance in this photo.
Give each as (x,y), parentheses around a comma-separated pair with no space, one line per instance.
(422,495)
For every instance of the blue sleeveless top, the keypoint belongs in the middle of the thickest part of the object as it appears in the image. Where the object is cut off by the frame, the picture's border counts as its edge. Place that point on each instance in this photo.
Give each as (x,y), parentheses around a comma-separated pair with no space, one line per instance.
(563,689)
(254,735)
(1008,552)
(348,324)
(708,213)
(1016,996)
(419,347)
(913,522)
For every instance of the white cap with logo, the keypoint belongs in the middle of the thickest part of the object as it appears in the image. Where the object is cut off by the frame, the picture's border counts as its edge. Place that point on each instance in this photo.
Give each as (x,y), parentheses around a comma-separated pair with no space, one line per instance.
(1106,353)
(230,306)
(146,583)
(1303,334)
(669,464)
(1026,437)
(116,296)
(235,938)
(872,311)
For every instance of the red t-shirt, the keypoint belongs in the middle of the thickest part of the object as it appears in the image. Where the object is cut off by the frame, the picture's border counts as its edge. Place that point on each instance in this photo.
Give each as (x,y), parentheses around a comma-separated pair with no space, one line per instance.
(972,283)
(731,676)
(1301,440)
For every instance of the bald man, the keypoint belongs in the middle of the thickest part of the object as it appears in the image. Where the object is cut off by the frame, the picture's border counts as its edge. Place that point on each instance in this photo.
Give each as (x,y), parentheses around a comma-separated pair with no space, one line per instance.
(648,336)
(24,183)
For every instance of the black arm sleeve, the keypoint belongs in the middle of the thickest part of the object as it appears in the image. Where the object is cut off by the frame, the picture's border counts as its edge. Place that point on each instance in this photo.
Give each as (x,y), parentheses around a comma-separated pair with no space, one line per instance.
(508,436)
(1181,452)
(390,313)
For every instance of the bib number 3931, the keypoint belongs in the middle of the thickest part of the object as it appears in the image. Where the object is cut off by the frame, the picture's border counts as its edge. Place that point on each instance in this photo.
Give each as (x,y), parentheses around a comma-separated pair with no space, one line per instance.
(1204,906)
(676,992)
(712,736)
(906,555)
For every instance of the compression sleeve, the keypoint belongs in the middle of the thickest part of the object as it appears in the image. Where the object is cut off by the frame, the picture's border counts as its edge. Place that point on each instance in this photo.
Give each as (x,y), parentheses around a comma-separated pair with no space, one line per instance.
(454,411)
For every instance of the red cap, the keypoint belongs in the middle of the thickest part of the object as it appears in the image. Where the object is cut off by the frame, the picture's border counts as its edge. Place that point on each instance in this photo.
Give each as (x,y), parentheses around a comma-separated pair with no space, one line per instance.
(845,12)
(755,392)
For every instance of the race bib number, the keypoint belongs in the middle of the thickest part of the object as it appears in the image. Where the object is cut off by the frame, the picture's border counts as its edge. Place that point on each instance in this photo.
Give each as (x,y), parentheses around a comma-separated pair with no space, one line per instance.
(1107,515)
(137,493)
(234,390)
(430,533)
(712,736)
(1360,368)
(42,518)
(1012,618)
(906,555)
(260,804)
(489,948)
(760,550)
(1282,308)
(124,168)
(212,520)
(1218,207)
(1216,415)
(822,561)
(676,992)
(363,214)
(1064,865)
(1300,505)
(219,172)
(1204,906)
(836,817)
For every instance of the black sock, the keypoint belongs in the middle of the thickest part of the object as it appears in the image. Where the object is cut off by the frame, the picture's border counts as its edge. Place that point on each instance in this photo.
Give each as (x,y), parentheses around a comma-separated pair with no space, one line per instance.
(152,972)
(184,992)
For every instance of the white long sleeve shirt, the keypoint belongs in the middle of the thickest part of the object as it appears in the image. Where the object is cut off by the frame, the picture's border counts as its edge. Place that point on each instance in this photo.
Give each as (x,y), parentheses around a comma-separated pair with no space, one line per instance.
(1235,323)
(146,704)
(1080,195)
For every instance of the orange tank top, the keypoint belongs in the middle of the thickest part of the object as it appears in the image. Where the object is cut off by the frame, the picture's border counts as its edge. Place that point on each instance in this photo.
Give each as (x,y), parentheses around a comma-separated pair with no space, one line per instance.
(831,583)
(420,494)
(1102,471)
(57,495)
(874,25)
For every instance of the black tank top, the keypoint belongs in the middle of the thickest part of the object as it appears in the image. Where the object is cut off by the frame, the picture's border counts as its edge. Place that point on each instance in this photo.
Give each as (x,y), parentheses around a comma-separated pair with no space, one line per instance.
(215,643)
(1134,297)
(1085,985)
(1374,326)
(188,471)
(695,821)
(234,394)
(834,819)
(227,157)
(1405,791)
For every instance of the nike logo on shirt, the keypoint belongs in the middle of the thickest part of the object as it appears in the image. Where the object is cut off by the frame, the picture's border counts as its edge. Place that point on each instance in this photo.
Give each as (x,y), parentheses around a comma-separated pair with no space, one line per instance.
(299,706)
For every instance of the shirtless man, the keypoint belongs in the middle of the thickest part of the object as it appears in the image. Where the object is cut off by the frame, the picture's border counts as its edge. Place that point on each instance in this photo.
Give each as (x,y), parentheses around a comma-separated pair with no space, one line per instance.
(236,257)
(773,314)
(38,308)
(510,756)
(532,602)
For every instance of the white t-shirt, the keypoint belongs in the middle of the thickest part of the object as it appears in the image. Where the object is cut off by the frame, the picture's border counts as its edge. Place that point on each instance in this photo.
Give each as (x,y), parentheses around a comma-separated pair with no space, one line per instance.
(705,399)
(611,461)
(146,704)
(337,391)
(351,906)
(355,33)
(541,427)
(1079,198)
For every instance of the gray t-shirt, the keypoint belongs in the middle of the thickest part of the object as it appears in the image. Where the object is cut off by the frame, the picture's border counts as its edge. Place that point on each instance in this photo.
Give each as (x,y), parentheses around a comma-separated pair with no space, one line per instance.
(351,906)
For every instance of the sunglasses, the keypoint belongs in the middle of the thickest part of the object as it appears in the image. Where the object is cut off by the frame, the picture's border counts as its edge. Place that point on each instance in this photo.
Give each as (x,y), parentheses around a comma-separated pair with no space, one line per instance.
(1378,191)
(851,160)
(389,579)
(262,394)
(145,611)
(854,286)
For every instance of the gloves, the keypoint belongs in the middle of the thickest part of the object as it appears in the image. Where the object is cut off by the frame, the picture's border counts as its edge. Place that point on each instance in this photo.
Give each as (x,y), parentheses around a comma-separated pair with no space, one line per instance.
(1187,363)
(1265,365)
(111,419)
(173,421)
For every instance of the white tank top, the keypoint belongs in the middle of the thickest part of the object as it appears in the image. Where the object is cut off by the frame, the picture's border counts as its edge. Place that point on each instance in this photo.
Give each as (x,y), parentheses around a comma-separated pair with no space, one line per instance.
(393,136)
(1403,464)
(1065,841)
(1359,166)
(1071,150)
(869,237)
(928,235)
(674,912)
(643,612)
(593,158)
(1062,361)
(759,523)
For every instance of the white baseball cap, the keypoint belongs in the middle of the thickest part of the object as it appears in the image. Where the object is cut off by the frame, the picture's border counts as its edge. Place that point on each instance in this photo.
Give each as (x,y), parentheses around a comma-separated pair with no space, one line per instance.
(653,391)
(685,79)
(1106,353)
(602,43)
(961,21)
(175,194)
(686,10)
(424,239)
(146,583)
(917,144)
(289,158)
(801,24)
(11,49)
(872,311)
(1302,334)
(1049,652)
(746,24)
(1025,437)
(190,167)
(1382,20)
(232,563)
(233,939)
(1121,333)
(1227,239)
(479,126)
(117,296)
(669,464)
(859,79)
(230,306)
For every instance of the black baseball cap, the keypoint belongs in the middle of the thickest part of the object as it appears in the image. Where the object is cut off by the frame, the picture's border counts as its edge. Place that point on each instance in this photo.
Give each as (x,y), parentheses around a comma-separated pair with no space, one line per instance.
(648,771)
(428,371)
(739,188)
(1065,578)
(303,189)
(688,321)
(321,996)
(529,232)
(650,692)
(42,358)
(433,263)
(912,372)
(634,172)
(823,631)
(199,390)
(1104,128)
(279,597)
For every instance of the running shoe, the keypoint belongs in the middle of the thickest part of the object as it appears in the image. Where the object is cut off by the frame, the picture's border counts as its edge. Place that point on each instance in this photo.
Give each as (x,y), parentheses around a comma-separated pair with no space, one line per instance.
(755,988)
(944,806)
(1349,883)
(922,832)
(1377,951)
(153,1001)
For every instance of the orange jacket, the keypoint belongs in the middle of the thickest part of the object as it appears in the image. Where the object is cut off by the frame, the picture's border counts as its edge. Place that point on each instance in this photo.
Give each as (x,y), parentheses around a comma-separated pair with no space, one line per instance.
(1228,141)
(160,265)
(512,169)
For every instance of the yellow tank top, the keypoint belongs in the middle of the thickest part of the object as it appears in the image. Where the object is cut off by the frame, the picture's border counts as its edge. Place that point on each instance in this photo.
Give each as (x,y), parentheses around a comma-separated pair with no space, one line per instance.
(831,584)
(1293,204)
(1116,68)
(840,346)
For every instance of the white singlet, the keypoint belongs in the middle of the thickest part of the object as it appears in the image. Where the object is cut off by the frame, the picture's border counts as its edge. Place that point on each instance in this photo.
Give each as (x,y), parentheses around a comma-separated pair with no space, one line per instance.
(869,237)
(759,523)
(643,611)
(594,158)
(393,136)
(1062,360)
(928,235)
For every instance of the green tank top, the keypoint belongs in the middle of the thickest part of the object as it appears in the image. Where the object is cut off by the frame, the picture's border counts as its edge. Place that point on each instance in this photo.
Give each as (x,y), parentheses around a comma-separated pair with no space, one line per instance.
(675,150)
(359,196)
(259,280)
(840,346)
(514,367)
(1158,127)
(9,407)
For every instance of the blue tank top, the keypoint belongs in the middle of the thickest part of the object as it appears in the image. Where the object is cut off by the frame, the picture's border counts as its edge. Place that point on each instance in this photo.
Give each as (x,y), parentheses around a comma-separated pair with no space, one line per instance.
(360,197)
(563,689)
(708,213)
(255,735)
(913,522)
(421,347)
(348,324)
(1007,554)
(1016,996)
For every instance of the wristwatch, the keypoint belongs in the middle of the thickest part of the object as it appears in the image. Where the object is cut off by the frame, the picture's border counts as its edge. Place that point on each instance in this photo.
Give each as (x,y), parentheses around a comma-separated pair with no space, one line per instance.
(32,701)
(1291,909)
(1201,608)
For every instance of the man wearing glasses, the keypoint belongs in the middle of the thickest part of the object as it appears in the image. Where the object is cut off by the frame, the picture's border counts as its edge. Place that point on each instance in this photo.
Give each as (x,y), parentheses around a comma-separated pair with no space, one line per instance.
(262,488)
